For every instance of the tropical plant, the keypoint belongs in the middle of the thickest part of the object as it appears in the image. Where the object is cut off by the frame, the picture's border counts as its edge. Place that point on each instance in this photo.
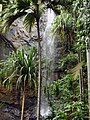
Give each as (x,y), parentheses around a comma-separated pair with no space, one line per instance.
(21,68)
(63,25)
(65,102)
(63,20)
(64,65)
(86,15)
(73,111)
(81,10)
(68,83)
(81,29)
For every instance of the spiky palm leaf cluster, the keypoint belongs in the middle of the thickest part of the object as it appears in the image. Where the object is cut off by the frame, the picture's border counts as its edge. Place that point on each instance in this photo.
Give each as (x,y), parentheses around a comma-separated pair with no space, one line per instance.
(19,67)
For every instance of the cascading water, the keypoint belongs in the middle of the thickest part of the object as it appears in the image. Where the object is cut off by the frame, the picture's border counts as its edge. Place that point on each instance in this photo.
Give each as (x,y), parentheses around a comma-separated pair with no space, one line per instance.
(48,47)
(48,53)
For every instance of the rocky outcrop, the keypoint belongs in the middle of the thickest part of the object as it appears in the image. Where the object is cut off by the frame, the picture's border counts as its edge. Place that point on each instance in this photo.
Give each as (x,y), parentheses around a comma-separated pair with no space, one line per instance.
(9,105)
(6,46)
(19,35)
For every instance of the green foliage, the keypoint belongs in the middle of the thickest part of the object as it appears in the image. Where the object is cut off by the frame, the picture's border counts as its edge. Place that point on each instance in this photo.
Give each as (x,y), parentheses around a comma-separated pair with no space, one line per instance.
(64,100)
(73,111)
(8,71)
(22,4)
(13,10)
(81,10)
(29,22)
(65,93)
(62,92)
(19,67)
(64,88)
(62,22)
(1,104)
(68,61)
(71,26)
(76,69)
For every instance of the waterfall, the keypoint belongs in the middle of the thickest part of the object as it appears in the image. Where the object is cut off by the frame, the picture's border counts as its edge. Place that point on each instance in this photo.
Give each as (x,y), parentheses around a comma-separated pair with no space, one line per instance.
(48,52)
(48,48)
(48,38)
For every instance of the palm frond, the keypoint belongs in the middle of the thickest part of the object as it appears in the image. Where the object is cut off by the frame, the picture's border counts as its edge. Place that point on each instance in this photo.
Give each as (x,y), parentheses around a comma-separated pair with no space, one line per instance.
(19,81)
(29,21)
(34,1)
(62,21)
(10,19)
(23,4)
(76,69)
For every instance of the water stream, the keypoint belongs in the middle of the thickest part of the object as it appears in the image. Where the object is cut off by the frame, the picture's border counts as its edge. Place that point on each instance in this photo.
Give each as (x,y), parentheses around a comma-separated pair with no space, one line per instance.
(48,47)
(48,52)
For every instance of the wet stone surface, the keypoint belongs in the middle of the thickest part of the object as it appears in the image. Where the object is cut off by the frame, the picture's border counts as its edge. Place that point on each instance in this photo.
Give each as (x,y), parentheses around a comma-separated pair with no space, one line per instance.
(10,109)
(10,112)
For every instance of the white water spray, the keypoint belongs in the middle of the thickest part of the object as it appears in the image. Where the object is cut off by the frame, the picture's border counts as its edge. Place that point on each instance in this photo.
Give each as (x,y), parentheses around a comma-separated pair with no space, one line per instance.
(48,52)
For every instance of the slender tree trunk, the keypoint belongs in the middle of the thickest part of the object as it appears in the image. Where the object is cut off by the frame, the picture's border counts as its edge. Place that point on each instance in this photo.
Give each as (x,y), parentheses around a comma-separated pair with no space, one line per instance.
(39,73)
(18,97)
(81,84)
(81,76)
(23,102)
(88,71)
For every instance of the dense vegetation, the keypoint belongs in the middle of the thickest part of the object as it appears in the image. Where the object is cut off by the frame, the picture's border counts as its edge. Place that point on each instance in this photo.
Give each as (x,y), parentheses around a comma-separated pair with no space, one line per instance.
(68,95)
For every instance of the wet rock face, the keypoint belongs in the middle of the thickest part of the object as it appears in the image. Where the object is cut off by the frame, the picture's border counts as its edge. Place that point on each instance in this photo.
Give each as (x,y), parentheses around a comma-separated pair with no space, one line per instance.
(10,108)
(4,50)
(5,47)
(9,111)
(6,116)
(17,34)
(20,36)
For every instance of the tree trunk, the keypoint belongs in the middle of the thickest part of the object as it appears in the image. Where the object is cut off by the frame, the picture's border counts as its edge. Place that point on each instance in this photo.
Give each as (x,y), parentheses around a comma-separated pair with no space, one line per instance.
(23,102)
(81,76)
(88,71)
(39,73)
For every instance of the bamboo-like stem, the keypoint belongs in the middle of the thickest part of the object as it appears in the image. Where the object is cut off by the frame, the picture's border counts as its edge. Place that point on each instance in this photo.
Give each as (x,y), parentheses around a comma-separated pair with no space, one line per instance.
(81,77)
(39,73)
(88,71)
(23,102)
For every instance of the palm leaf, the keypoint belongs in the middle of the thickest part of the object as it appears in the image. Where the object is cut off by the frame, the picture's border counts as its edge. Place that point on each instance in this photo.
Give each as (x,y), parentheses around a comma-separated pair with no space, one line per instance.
(19,81)
(10,19)
(76,69)
(64,20)
(29,21)
(8,81)
(21,70)
(34,2)
(23,4)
